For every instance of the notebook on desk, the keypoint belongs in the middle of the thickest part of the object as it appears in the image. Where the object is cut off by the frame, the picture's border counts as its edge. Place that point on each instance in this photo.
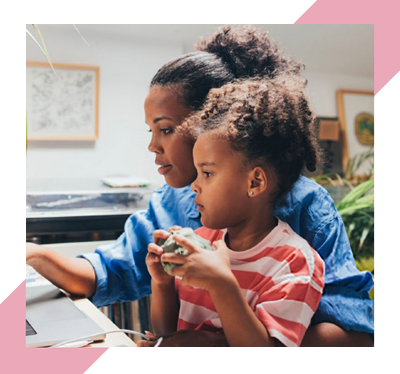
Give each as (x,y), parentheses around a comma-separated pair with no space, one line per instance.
(52,317)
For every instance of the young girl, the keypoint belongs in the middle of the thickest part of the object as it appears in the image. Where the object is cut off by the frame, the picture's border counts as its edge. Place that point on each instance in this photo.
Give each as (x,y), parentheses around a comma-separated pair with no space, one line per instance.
(253,140)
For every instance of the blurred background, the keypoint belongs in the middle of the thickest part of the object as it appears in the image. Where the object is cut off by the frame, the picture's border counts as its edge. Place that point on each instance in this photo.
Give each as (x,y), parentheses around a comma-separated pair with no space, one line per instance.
(335,57)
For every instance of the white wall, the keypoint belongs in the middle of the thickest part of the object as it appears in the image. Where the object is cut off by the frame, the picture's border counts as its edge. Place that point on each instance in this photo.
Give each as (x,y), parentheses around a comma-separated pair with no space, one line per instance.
(126,68)
(322,89)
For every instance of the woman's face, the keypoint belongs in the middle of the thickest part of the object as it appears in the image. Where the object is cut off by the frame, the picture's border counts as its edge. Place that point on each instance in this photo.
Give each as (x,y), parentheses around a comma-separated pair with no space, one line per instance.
(164,112)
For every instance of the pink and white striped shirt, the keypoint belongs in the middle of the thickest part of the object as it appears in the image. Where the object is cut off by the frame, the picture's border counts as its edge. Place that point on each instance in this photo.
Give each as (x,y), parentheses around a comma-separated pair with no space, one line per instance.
(282,279)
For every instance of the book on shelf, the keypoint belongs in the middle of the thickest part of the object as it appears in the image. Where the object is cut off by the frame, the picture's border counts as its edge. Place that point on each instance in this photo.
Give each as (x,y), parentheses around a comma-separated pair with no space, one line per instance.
(131,315)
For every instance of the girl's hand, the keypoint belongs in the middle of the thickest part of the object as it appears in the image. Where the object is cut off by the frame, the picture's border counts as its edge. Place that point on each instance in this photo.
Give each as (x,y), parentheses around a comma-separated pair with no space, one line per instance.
(201,268)
(153,258)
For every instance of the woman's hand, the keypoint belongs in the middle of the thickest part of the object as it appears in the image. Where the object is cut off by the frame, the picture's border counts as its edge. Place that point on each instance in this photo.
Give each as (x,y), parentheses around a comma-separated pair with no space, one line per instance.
(74,275)
(200,268)
(31,250)
(153,258)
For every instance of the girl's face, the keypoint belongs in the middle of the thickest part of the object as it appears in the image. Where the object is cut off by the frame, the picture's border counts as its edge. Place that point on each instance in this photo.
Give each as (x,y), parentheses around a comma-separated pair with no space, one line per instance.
(164,112)
(221,185)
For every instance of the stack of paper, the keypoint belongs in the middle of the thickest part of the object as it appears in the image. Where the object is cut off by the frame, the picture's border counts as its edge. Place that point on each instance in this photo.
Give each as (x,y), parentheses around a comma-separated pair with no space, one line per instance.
(125,181)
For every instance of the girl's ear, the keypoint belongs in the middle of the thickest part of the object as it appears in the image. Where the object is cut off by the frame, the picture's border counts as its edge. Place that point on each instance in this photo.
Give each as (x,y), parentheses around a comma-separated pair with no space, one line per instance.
(258,182)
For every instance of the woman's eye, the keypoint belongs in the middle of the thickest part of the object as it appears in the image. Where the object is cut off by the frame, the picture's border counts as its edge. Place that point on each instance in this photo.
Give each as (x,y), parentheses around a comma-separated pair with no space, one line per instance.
(166,131)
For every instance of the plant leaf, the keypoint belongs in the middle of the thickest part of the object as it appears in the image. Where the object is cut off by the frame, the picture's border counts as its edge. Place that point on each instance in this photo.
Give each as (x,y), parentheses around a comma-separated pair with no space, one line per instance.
(36,28)
(45,54)
(355,194)
(354,208)
(355,163)
(364,234)
(81,35)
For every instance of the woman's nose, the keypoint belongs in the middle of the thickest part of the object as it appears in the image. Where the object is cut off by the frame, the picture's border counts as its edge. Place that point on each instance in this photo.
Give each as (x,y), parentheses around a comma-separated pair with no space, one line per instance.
(154,146)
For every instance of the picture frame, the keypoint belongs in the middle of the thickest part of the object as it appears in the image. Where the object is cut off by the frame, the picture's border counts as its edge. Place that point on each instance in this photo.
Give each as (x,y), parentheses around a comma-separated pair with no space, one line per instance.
(356,118)
(331,146)
(62,105)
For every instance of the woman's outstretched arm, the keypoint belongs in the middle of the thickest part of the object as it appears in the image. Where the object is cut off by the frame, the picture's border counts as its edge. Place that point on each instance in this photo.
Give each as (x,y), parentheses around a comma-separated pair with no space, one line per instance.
(74,275)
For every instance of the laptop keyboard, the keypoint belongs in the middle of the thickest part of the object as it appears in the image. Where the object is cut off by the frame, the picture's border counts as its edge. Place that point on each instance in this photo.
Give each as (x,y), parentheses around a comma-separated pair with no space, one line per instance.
(29,329)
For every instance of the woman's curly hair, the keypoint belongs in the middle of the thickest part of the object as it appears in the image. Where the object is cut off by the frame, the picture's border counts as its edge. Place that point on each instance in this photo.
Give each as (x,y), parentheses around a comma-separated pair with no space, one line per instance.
(232,52)
(269,121)
(248,52)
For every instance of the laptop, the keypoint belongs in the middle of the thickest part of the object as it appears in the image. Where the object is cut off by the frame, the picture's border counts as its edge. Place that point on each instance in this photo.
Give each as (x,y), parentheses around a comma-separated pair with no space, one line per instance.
(52,317)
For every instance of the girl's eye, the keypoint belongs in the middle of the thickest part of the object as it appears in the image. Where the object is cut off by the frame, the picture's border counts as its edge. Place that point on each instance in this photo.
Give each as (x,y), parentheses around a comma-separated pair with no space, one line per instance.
(207,174)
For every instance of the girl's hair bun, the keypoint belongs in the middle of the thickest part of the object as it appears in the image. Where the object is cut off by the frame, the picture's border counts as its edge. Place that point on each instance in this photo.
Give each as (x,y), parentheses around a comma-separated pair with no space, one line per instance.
(248,52)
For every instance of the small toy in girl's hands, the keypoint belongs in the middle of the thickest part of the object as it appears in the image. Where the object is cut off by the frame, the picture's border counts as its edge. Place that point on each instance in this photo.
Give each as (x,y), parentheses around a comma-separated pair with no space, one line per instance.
(169,245)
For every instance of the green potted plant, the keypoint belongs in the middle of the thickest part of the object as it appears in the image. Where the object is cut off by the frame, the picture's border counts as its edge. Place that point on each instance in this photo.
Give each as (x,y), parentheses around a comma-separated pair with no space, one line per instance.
(353,195)
(357,212)
(339,186)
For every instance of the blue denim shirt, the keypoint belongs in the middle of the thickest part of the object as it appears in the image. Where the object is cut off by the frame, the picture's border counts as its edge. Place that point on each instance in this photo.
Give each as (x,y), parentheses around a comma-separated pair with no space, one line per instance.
(122,273)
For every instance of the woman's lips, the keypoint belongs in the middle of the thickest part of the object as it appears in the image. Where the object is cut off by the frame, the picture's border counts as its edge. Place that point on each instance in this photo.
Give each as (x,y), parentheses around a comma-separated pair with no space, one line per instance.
(164,169)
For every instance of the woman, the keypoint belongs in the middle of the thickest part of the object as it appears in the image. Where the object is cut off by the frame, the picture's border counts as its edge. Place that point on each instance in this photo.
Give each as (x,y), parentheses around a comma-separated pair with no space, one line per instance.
(117,272)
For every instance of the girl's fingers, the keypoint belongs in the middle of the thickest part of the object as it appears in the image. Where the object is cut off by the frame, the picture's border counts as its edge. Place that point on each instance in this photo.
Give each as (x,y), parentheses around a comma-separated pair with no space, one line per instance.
(160,234)
(178,258)
(185,243)
(175,228)
(174,258)
(219,244)
(154,248)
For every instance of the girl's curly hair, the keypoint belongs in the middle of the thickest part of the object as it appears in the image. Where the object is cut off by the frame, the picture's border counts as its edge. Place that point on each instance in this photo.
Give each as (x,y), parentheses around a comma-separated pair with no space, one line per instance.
(269,121)
(232,52)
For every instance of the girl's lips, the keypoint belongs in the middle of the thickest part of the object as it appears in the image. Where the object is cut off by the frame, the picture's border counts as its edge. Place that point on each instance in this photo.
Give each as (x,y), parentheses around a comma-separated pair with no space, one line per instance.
(164,169)
(199,206)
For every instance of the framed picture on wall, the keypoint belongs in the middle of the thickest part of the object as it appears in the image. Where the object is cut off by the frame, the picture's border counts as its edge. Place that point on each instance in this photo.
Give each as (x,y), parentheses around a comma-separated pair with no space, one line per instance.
(328,131)
(63,105)
(356,117)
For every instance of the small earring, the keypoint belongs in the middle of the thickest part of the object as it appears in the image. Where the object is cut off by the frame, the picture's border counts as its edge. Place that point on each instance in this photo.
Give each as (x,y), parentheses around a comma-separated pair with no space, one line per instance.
(251,193)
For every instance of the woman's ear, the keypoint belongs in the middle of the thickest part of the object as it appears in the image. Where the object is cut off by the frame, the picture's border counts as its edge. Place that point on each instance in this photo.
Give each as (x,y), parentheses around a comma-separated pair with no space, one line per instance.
(258,182)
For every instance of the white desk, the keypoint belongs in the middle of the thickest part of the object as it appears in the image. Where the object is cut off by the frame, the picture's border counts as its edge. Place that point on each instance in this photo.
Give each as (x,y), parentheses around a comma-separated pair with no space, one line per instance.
(111,340)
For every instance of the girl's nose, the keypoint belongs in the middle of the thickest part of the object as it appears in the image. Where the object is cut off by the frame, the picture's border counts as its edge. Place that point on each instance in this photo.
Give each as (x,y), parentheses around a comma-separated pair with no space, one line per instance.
(195,187)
